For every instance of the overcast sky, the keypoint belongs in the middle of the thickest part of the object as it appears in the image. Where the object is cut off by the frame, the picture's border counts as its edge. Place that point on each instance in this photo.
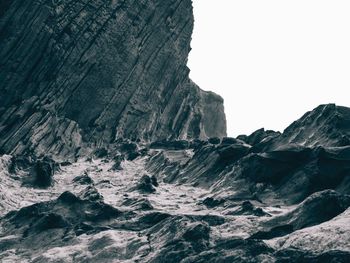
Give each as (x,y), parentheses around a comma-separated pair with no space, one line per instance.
(271,60)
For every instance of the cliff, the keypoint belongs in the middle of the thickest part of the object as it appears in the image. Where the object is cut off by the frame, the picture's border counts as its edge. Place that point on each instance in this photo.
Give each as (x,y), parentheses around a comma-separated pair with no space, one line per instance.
(107,156)
(85,73)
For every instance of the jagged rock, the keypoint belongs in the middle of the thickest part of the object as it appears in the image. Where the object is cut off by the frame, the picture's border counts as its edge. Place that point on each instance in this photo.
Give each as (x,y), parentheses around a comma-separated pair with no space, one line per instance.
(129,149)
(118,159)
(77,74)
(40,172)
(197,233)
(90,193)
(65,213)
(247,208)
(276,231)
(83,179)
(316,209)
(232,153)
(44,172)
(142,204)
(259,136)
(97,79)
(327,126)
(147,184)
(211,220)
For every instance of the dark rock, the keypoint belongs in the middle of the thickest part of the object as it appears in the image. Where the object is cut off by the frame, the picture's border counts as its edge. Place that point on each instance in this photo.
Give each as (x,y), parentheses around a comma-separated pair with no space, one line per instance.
(154,181)
(316,209)
(20,163)
(68,198)
(214,140)
(42,173)
(83,179)
(259,136)
(197,233)
(91,194)
(153,218)
(128,146)
(133,155)
(211,202)
(141,204)
(73,79)
(50,221)
(83,228)
(100,153)
(65,163)
(327,126)
(277,231)
(197,144)
(247,208)
(170,145)
(68,212)
(232,153)
(39,172)
(211,220)
(129,150)
(118,159)
(146,185)
(228,140)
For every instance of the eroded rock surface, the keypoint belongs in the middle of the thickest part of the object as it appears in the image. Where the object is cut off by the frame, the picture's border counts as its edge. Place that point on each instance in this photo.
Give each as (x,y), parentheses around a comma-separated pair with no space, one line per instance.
(90,72)
(218,202)
(109,153)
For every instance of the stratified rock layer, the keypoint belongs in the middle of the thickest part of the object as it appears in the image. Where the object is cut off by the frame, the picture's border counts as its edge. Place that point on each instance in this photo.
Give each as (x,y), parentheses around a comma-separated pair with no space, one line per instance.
(88,72)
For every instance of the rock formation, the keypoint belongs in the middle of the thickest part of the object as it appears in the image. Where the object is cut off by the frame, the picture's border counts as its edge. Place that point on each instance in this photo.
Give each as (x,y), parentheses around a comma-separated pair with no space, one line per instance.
(78,73)
(109,153)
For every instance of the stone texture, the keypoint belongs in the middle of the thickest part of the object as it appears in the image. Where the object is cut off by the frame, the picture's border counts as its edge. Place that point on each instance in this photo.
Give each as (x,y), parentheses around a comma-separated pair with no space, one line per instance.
(327,126)
(89,72)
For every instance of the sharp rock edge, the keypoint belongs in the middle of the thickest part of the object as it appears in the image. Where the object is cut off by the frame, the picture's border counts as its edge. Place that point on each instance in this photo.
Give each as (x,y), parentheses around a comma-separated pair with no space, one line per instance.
(111,154)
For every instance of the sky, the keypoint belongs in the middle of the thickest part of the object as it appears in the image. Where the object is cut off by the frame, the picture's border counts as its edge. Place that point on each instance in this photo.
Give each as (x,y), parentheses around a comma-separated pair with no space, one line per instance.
(271,60)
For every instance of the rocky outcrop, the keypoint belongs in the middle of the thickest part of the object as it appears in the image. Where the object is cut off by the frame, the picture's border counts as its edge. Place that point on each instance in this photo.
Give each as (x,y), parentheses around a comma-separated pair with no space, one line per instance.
(78,73)
(310,156)
(182,201)
(160,181)
(327,125)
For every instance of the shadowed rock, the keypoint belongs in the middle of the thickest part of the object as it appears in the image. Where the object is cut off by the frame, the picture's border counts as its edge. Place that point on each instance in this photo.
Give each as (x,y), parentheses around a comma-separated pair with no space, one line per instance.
(147,184)
(75,76)
(316,209)
(66,213)
(83,179)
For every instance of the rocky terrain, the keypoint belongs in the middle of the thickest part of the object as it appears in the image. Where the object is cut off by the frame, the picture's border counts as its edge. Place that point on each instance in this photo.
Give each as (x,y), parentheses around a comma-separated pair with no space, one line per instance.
(81,74)
(110,153)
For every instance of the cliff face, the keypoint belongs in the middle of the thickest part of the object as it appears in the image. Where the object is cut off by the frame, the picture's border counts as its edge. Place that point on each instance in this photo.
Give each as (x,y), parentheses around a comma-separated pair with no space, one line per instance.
(81,72)
(78,75)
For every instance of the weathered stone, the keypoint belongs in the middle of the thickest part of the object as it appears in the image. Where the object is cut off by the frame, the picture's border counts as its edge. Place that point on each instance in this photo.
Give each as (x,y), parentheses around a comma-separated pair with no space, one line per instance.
(77,74)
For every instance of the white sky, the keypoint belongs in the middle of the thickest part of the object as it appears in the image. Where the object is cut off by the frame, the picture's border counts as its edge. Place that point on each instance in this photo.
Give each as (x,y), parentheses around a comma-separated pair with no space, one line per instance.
(271,60)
